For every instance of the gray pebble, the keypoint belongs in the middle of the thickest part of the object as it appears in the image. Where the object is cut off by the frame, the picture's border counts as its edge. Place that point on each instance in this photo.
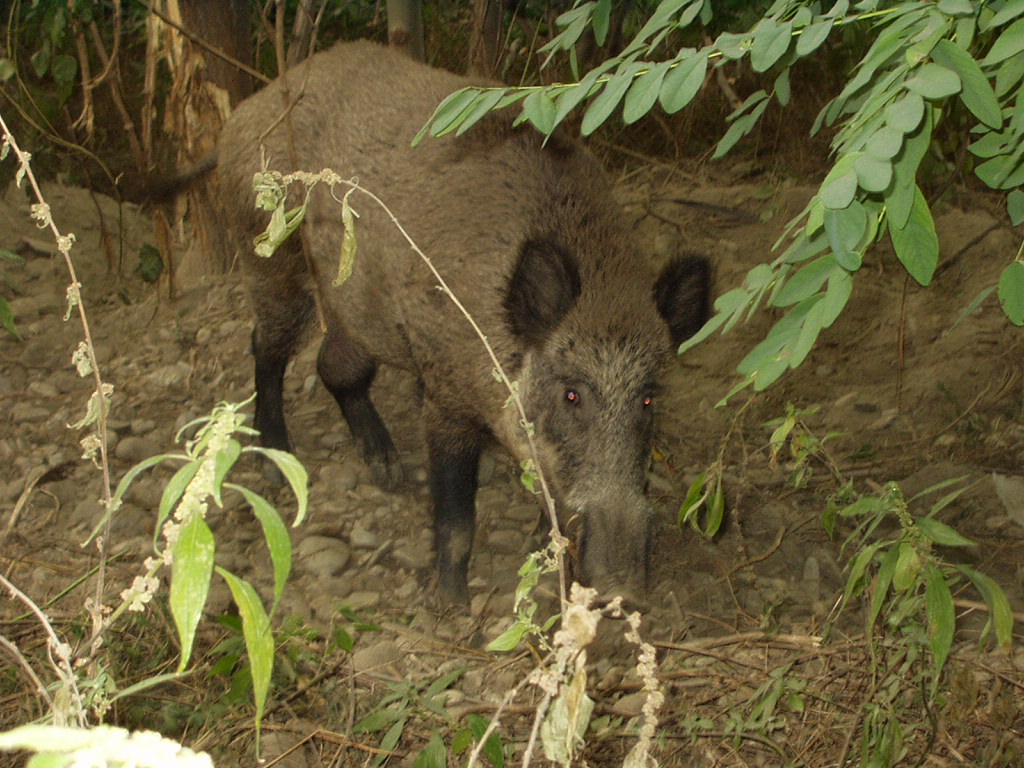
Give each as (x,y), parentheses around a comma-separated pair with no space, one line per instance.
(357,601)
(135,449)
(378,655)
(322,555)
(630,705)
(505,541)
(142,426)
(170,375)
(25,413)
(42,388)
(362,537)
(412,555)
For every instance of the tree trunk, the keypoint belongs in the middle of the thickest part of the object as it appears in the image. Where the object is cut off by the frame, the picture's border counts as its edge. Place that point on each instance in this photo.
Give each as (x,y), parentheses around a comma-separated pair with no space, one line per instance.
(205,86)
(485,41)
(405,27)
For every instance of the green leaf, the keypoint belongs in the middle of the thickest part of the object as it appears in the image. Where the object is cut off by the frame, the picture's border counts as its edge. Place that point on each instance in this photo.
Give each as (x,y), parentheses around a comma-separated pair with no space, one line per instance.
(782,90)
(682,82)
(275,533)
(390,740)
(294,473)
(492,747)
(756,103)
(873,174)
(812,36)
(942,534)
(223,462)
(940,614)
(540,111)
(956,7)
(379,719)
(770,43)
(64,68)
(1015,207)
(805,282)
(840,286)
(916,244)
(885,143)
(904,115)
(1000,614)
(443,682)
(1011,292)
(716,511)
(485,103)
(933,81)
(446,117)
(599,20)
(434,755)
(908,567)
(7,319)
(1009,43)
(977,93)
(173,492)
(1008,12)
(608,99)
(845,229)
(190,580)
(732,45)
(695,497)
(880,589)
(644,92)
(840,186)
(901,195)
(509,639)
(259,639)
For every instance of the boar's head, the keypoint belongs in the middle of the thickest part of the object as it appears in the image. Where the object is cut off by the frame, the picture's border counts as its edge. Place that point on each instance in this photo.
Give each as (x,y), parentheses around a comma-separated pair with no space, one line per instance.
(593,334)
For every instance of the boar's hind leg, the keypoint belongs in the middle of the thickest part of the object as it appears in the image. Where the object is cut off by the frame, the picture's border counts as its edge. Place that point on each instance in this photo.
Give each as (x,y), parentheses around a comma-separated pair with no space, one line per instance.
(454,458)
(348,372)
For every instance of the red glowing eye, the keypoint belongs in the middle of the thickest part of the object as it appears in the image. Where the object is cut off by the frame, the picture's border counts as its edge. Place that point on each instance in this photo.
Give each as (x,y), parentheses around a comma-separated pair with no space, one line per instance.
(648,399)
(572,396)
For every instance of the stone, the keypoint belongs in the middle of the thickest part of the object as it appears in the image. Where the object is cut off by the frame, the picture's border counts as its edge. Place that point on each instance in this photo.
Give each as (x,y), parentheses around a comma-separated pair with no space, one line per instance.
(505,541)
(358,601)
(26,413)
(134,449)
(411,555)
(140,427)
(375,656)
(362,537)
(322,555)
(630,705)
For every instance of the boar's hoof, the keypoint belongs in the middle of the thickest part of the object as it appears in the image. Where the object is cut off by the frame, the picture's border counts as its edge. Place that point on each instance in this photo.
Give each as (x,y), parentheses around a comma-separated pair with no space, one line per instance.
(452,591)
(387,471)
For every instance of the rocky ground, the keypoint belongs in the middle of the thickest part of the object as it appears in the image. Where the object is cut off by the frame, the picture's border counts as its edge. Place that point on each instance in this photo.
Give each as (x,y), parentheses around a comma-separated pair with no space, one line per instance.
(902,394)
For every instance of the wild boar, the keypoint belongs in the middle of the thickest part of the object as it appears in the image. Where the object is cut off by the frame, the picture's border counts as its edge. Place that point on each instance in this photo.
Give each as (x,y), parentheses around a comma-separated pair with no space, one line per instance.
(529,239)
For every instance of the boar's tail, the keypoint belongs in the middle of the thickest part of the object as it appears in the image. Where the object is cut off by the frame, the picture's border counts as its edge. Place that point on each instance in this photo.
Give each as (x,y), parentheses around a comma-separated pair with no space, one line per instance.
(164,189)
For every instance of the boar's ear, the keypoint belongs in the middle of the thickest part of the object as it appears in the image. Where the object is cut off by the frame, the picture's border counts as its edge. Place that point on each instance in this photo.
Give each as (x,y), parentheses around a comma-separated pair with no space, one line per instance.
(682,295)
(543,287)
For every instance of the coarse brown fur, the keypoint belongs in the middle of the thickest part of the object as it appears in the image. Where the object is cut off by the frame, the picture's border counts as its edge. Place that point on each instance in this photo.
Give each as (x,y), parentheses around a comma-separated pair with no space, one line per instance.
(527,236)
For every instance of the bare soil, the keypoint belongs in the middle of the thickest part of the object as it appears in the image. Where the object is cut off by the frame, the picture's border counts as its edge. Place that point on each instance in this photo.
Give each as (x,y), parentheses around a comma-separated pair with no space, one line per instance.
(901,393)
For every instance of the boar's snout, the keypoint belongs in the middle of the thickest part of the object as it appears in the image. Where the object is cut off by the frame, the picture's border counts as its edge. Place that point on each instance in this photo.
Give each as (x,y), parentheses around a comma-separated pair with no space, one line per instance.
(614,543)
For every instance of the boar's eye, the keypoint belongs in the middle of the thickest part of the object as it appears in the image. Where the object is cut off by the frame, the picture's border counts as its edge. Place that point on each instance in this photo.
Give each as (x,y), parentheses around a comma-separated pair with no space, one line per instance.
(572,396)
(648,399)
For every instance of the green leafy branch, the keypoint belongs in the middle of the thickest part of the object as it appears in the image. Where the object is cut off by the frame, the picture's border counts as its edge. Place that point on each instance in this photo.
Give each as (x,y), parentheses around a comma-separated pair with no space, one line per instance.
(924,55)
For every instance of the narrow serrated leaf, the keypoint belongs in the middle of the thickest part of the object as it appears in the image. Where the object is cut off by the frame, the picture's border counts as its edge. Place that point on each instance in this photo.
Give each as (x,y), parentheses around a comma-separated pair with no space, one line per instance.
(192,570)
(259,639)
(275,533)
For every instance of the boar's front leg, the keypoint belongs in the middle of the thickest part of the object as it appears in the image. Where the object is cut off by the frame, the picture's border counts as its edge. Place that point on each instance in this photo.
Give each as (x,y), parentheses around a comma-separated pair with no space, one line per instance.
(347,371)
(454,456)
